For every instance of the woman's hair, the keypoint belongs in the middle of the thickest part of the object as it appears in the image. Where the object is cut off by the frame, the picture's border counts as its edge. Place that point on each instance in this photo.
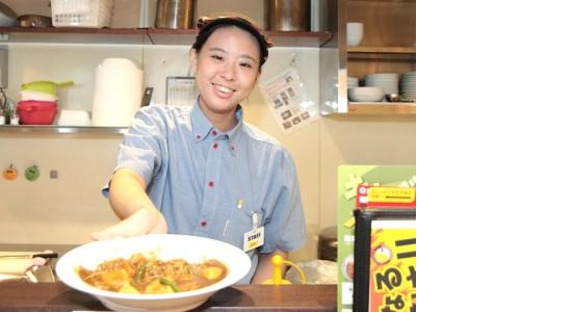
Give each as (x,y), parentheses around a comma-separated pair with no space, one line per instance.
(208,25)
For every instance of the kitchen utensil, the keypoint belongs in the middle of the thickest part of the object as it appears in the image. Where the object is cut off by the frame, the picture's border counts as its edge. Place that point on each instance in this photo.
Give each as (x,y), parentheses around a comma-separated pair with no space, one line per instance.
(147,95)
(288,15)
(45,86)
(45,255)
(34,21)
(174,14)
(43,274)
(392,97)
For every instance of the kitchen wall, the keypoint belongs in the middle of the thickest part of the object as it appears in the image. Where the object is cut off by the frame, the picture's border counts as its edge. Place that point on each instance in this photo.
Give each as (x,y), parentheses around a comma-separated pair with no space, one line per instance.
(64,210)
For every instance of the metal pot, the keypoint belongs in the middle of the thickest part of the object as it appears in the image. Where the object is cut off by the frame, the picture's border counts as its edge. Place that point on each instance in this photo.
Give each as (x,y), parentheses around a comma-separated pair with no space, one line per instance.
(174,14)
(288,15)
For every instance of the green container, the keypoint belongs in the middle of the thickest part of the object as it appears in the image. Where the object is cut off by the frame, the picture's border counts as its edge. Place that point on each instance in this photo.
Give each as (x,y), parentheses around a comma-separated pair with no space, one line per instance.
(45,86)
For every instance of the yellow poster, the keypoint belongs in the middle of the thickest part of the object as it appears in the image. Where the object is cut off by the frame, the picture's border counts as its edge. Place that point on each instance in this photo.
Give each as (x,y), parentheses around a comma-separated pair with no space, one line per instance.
(392,280)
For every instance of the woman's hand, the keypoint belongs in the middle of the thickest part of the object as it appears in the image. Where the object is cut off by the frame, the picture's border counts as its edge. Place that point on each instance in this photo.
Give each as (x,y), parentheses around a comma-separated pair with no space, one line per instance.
(143,221)
(131,204)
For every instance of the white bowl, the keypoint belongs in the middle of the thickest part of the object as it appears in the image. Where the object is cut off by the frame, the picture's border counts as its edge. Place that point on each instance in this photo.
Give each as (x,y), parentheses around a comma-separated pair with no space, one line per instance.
(352,81)
(366,94)
(165,246)
(79,118)
(27,95)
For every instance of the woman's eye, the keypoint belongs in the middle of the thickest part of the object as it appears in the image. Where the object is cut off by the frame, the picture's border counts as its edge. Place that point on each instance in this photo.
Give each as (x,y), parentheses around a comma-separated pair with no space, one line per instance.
(246,65)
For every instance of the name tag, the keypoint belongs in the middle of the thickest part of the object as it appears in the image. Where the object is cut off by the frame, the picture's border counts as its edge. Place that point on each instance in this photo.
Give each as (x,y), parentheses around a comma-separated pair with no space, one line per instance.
(254,239)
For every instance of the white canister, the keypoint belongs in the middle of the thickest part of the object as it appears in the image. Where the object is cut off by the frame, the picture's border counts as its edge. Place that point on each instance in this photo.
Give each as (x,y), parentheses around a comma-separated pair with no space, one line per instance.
(117,94)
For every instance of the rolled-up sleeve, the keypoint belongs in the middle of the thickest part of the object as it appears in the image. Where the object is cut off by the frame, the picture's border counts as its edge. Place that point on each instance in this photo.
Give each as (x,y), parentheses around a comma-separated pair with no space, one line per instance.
(142,146)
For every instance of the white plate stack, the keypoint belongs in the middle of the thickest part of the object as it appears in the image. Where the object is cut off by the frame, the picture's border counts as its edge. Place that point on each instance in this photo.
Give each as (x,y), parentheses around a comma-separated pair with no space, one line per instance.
(409,84)
(389,82)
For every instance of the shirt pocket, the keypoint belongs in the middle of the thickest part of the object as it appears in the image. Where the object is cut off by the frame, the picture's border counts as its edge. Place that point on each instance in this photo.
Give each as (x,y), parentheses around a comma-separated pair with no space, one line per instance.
(241,222)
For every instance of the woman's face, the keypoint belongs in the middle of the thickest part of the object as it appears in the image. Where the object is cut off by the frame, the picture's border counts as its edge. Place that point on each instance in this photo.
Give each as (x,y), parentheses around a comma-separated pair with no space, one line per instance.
(226,69)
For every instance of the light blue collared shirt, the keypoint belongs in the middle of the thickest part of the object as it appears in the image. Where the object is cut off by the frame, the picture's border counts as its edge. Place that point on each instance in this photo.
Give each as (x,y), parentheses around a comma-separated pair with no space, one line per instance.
(198,176)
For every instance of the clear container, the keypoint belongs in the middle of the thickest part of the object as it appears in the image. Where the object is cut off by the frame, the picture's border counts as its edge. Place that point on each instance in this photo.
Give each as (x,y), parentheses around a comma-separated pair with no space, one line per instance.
(81,13)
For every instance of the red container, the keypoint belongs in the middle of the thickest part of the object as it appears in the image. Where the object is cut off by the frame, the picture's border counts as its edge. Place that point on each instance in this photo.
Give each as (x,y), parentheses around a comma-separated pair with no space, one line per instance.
(37,112)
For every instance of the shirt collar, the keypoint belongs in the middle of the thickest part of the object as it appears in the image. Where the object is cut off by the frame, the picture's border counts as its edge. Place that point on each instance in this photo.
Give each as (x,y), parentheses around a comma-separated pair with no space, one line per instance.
(202,127)
(200,124)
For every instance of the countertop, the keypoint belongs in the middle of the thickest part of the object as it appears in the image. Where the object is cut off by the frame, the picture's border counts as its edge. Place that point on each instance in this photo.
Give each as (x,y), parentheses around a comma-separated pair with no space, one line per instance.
(25,296)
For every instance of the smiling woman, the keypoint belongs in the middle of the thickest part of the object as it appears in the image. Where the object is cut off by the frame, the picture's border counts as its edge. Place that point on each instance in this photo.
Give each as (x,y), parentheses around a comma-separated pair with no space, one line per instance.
(201,169)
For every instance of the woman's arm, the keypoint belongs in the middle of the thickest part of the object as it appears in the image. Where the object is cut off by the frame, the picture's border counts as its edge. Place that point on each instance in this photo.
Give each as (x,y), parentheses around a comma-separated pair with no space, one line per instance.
(265,268)
(132,205)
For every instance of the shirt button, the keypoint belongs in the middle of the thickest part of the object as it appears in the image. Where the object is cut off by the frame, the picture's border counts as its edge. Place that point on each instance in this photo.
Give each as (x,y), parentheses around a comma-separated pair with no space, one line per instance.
(215,146)
(232,147)
(203,223)
(198,136)
(210,183)
(214,133)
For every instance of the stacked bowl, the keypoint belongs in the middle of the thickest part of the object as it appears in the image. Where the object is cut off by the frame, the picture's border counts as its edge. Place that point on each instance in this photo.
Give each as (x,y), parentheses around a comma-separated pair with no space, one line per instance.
(352,82)
(38,104)
(389,82)
(409,84)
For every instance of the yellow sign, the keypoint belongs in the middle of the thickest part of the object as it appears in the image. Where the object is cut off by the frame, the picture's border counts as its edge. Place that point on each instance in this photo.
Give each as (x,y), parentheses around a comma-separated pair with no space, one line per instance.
(392,271)
(385,194)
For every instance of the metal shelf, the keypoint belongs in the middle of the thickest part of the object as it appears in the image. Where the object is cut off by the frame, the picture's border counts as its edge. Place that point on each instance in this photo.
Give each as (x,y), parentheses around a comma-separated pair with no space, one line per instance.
(62,129)
(143,36)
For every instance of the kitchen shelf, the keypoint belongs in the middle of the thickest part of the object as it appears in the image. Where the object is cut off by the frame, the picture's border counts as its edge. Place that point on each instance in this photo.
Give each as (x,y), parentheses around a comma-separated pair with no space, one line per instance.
(280,38)
(371,108)
(62,129)
(406,111)
(143,36)
(74,35)
(382,50)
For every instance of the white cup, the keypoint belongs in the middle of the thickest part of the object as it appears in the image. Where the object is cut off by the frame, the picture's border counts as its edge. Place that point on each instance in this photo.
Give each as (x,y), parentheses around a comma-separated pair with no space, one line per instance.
(354,33)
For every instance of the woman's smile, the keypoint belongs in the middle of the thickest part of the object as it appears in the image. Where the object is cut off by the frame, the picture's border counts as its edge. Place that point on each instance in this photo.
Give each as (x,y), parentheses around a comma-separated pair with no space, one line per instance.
(221,89)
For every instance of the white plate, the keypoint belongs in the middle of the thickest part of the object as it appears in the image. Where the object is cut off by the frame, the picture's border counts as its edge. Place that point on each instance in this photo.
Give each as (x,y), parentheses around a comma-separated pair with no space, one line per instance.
(165,247)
